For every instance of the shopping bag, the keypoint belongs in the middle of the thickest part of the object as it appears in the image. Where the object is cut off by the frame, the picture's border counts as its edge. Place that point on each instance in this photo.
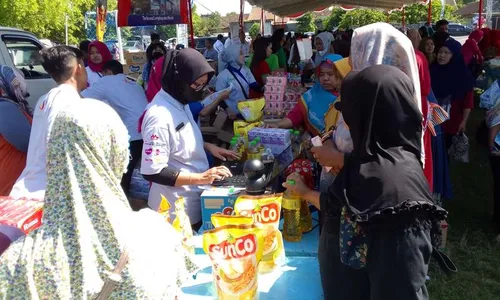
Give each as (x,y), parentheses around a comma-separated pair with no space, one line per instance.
(490,97)
(459,149)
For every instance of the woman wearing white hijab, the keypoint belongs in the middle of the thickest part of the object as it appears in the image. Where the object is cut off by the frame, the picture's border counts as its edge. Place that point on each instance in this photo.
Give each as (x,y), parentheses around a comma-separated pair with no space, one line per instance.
(376,44)
(323,43)
(237,75)
(88,223)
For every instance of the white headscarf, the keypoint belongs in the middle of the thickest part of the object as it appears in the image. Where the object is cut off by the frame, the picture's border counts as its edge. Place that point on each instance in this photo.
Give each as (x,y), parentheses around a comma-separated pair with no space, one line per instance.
(327,38)
(382,44)
(87,221)
(231,56)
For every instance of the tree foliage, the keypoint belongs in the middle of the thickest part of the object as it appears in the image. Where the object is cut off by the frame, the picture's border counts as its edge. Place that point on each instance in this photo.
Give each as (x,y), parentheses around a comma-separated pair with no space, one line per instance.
(334,19)
(254,30)
(167,31)
(418,12)
(361,17)
(306,23)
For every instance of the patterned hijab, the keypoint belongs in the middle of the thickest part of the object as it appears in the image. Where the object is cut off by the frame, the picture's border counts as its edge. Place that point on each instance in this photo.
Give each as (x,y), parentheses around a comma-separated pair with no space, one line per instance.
(382,44)
(88,222)
(13,88)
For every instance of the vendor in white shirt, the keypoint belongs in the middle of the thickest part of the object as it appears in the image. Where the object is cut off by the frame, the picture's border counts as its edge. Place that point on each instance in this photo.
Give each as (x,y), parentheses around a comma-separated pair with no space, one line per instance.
(128,99)
(173,156)
(99,54)
(65,65)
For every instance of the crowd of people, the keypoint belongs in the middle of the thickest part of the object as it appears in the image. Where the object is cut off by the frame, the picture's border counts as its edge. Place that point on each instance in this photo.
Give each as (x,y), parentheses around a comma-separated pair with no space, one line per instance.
(396,100)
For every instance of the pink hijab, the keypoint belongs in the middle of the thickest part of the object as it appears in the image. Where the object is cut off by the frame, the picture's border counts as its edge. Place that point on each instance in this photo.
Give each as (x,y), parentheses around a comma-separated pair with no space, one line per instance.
(154,83)
(471,48)
(105,53)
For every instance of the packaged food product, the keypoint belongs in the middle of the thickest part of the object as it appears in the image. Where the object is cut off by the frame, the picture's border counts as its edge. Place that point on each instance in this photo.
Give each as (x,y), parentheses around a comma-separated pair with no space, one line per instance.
(164,208)
(265,211)
(252,110)
(242,128)
(235,252)
(183,225)
(219,220)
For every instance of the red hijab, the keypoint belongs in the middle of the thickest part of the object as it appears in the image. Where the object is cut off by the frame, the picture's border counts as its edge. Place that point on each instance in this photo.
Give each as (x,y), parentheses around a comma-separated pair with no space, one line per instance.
(471,48)
(105,53)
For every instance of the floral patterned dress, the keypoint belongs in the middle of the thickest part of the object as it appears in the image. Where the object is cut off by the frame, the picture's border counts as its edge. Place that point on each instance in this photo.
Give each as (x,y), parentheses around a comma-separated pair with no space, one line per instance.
(87,222)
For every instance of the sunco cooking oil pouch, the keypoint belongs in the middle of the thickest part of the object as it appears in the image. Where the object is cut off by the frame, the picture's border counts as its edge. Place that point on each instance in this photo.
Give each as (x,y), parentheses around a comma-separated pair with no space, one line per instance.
(265,211)
(235,252)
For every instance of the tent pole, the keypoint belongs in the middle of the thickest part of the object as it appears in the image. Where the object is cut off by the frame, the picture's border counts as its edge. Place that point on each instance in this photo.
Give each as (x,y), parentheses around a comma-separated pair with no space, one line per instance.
(480,20)
(403,19)
(429,13)
(191,30)
(262,22)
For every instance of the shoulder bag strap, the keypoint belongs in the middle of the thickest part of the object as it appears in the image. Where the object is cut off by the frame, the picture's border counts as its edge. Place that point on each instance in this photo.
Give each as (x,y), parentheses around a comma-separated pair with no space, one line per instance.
(114,278)
(235,77)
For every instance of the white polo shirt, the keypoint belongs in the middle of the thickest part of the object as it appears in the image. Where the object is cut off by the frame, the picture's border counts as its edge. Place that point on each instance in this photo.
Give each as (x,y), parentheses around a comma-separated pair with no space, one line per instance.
(126,97)
(172,138)
(32,182)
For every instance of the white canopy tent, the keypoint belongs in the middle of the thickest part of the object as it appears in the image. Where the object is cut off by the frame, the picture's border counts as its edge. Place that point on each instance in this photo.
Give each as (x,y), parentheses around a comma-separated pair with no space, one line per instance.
(290,7)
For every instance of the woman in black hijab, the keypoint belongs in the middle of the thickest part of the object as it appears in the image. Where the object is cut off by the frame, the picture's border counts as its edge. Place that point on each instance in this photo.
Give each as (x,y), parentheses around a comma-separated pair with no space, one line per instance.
(174,157)
(378,214)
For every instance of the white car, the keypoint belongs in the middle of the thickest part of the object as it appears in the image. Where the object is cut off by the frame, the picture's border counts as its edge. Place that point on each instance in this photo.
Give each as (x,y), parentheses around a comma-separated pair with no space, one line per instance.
(20,49)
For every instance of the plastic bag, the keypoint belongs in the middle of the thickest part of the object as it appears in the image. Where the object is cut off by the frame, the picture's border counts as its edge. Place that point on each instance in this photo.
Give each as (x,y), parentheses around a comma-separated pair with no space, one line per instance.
(183,225)
(219,220)
(342,136)
(252,110)
(164,208)
(490,97)
(459,149)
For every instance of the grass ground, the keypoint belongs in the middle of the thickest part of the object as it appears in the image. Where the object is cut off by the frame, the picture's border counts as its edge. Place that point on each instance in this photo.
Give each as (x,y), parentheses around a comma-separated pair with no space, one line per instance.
(471,241)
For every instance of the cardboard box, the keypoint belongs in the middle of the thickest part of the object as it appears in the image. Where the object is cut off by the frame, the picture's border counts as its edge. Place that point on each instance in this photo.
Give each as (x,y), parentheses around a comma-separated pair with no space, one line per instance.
(273,138)
(216,201)
(133,70)
(21,213)
(135,58)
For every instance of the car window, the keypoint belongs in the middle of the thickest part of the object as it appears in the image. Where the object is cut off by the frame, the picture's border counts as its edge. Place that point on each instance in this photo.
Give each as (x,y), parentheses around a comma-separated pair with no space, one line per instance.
(25,56)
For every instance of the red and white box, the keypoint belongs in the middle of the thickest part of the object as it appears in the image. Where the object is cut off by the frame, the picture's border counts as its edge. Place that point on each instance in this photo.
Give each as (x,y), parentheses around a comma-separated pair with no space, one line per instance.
(276,80)
(24,214)
(273,97)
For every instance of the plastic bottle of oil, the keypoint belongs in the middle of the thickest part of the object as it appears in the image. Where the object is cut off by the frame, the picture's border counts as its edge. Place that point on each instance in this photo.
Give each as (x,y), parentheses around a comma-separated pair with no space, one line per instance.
(292,231)
(305,217)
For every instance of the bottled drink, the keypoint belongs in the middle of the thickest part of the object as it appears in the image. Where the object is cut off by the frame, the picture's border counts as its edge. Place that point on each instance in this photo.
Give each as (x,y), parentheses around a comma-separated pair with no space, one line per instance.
(305,217)
(253,151)
(292,231)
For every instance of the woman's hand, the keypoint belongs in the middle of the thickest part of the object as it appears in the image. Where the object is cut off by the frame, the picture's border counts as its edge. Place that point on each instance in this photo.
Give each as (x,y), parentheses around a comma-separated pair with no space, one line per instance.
(462,127)
(225,95)
(329,157)
(299,187)
(271,125)
(221,153)
(217,173)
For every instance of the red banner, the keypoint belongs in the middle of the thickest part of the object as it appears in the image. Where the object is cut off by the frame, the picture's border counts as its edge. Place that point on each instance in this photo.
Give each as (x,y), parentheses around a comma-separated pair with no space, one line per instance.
(152,12)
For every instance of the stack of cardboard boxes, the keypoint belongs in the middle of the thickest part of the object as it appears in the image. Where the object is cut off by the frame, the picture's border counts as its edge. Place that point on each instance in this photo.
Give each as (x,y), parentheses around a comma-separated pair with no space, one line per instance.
(134,63)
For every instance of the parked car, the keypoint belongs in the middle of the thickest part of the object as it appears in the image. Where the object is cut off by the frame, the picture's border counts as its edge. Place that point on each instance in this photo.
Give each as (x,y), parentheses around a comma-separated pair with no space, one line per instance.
(458,29)
(133,46)
(20,49)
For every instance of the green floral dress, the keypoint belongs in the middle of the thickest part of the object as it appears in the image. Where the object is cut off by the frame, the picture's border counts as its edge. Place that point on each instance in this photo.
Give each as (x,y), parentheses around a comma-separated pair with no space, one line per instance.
(87,221)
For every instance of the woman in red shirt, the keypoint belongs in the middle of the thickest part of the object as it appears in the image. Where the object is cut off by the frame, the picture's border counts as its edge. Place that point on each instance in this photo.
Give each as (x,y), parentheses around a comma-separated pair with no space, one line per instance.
(259,67)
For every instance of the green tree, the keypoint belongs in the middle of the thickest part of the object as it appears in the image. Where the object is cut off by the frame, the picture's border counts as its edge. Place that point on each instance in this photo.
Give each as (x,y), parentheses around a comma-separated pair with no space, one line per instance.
(418,12)
(167,32)
(361,17)
(306,23)
(334,19)
(254,30)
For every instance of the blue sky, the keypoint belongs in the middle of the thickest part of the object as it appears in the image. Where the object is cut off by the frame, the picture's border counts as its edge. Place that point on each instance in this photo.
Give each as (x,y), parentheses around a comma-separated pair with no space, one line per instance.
(221,6)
